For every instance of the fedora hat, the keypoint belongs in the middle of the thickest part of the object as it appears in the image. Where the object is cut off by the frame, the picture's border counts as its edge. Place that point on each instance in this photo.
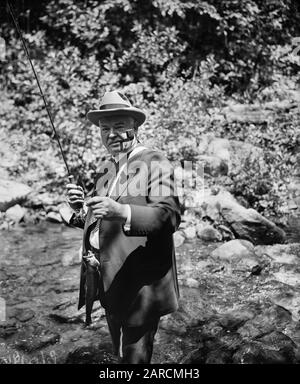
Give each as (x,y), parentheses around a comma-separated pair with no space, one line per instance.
(115,103)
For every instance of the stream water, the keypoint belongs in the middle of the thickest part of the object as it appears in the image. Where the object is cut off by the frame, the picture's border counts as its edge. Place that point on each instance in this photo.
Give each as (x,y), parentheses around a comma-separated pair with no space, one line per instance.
(39,281)
(39,321)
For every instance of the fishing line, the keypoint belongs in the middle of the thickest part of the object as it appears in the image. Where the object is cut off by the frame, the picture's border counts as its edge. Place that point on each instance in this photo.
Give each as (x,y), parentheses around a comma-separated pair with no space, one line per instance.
(39,85)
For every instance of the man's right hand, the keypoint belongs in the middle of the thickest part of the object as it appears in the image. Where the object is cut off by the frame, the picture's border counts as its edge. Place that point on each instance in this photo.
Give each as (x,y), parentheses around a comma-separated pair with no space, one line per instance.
(75,196)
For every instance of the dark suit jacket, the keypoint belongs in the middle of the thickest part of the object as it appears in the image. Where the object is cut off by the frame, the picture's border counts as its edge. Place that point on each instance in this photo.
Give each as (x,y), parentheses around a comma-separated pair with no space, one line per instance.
(138,269)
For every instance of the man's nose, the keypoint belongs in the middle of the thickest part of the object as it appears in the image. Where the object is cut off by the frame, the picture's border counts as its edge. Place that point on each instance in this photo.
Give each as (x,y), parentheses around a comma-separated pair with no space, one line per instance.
(112,133)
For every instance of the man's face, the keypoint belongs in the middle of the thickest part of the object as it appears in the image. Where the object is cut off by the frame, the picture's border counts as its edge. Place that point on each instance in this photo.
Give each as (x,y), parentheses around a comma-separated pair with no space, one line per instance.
(117,133)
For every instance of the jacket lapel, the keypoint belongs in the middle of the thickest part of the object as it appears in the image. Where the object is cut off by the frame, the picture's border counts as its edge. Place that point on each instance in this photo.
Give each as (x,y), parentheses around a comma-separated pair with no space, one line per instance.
(107,176)
(127,175)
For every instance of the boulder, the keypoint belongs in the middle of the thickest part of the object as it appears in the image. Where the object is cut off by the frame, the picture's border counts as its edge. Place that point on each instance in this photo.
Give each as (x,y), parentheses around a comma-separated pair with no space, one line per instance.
(234,250)
(178,239)
(190,233)
(54,217)
(8,327)
(208,233)
(90,355)
(220,148)
(256,113)
(37,342)
(246,113)
(245,223)
(12,192)
(289,277)
(15,213)
(41,200)
(290,302)
(24,315)
(251,225)
(231,153)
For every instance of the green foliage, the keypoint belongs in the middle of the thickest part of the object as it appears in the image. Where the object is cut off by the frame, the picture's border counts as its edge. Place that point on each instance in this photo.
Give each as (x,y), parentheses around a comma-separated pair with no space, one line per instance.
(179,60)
(263,180)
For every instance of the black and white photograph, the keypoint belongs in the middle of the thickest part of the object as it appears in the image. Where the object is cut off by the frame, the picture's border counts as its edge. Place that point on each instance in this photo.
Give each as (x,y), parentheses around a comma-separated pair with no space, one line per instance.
(149,184)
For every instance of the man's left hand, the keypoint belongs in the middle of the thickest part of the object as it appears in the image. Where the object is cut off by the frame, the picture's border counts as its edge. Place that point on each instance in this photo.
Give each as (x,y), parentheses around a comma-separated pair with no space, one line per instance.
(107,209)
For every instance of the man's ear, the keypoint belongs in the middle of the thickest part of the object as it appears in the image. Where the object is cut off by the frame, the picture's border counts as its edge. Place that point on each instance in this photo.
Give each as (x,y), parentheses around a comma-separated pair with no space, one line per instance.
(135,125)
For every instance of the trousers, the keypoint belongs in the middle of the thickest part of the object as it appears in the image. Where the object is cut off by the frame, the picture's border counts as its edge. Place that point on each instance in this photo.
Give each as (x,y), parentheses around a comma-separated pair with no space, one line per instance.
(132,345)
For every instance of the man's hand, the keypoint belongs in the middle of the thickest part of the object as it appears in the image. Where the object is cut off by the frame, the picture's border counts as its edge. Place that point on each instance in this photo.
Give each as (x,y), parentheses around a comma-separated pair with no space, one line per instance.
(75,196)
(107,209)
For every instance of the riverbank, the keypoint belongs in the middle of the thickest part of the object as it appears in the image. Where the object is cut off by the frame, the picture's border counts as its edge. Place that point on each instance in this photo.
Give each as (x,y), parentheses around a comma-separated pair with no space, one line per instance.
(231,310)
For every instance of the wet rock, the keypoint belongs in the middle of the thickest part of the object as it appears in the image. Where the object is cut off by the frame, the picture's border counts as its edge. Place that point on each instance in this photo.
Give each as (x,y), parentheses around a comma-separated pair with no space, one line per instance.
(24,315)
(289,277)
(278,341)
(252,353)
(234,319)
(64,319)
(178,239)
(280,254)
(90,355)
(267,321)
(66,288)
(66,312)
(189,233)
(209,233)
(234,249)
(195,357)
(15,213)
(8,328)
(218,357)
(11,193)
(174,323)
(272,348)
(54,217)
(290,302)
(37,342)
(214,350)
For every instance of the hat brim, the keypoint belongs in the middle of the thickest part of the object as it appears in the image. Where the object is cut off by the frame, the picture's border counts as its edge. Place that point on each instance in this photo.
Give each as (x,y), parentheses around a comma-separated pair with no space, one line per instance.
(95,115)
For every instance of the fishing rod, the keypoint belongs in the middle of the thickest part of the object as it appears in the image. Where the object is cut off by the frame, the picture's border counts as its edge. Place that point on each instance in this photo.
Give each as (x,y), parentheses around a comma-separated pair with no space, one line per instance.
(71,177)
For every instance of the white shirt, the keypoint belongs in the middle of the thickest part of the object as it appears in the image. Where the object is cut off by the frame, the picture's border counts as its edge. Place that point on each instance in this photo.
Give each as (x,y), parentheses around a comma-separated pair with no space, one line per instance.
(94,236)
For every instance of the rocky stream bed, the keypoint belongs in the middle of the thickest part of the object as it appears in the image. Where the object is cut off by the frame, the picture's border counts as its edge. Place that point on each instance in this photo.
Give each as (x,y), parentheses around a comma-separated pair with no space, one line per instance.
(238,305)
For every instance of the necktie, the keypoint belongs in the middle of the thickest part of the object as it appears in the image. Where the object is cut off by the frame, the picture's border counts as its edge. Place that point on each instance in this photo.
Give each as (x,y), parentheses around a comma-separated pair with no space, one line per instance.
(97,227)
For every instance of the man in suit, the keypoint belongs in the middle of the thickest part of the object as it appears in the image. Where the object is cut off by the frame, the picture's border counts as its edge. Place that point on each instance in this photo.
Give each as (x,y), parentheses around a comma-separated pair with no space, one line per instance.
(128,251)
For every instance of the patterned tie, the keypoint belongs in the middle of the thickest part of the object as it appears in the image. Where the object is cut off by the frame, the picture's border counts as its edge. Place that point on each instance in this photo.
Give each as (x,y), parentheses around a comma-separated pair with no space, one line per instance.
(99,221)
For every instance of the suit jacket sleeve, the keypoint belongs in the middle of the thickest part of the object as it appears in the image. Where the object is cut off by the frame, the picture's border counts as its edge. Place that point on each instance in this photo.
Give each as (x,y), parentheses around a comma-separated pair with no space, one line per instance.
(162,212)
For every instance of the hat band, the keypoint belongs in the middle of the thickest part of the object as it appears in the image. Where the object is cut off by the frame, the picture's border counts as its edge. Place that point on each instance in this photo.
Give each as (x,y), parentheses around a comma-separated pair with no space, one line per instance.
(114,106)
